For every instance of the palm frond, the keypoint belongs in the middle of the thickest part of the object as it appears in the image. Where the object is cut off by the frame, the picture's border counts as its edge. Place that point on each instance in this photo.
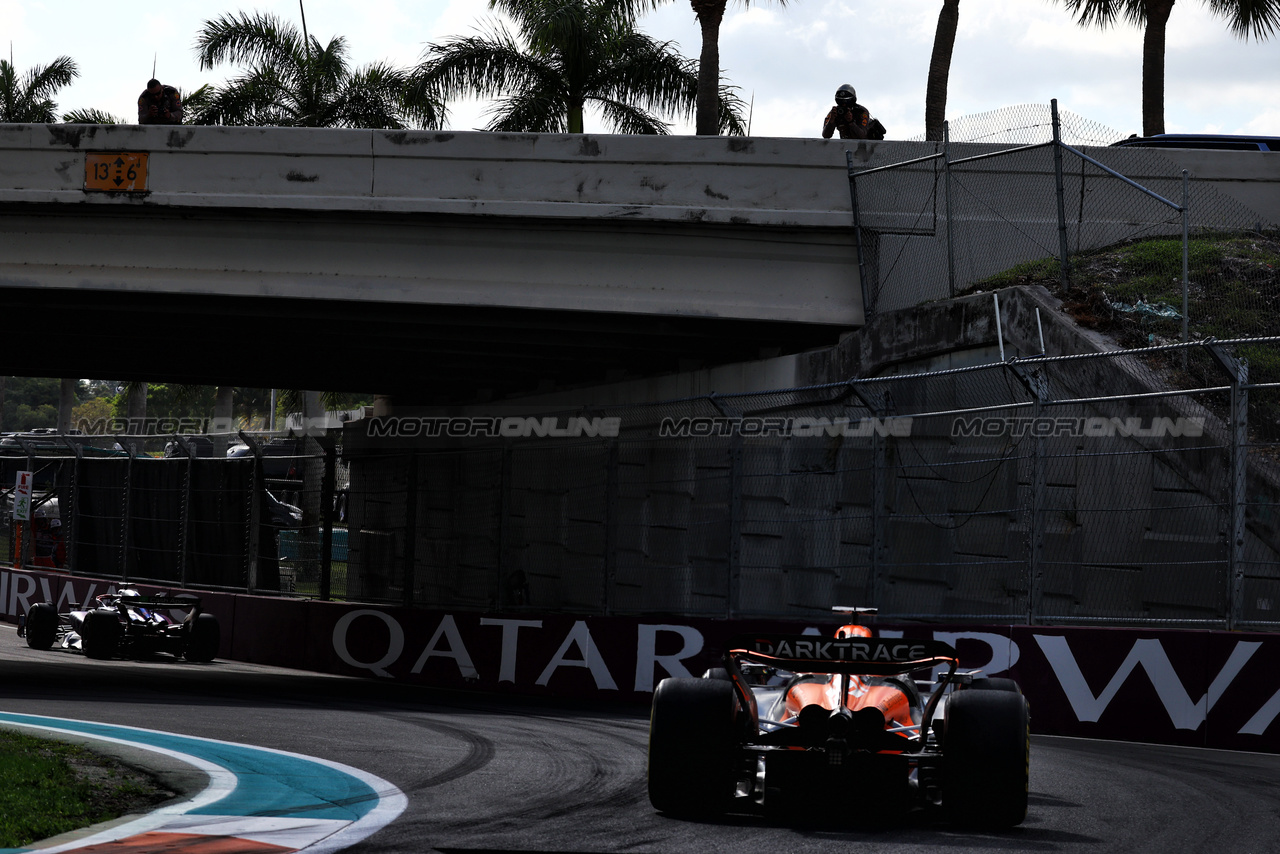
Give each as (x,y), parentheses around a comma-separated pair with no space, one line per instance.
(249,40)
(1245,18)
(628,118)
(91,116)
(567,53)
(731,109)
(530,111)
(30,99)
(484,66)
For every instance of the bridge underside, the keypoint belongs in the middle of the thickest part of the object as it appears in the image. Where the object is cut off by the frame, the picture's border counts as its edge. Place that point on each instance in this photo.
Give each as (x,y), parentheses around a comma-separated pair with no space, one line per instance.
(430,308)
(429,354)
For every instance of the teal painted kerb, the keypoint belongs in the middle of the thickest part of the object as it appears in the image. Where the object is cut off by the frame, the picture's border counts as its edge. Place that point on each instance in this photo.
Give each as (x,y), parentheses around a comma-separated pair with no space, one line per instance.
(267,783)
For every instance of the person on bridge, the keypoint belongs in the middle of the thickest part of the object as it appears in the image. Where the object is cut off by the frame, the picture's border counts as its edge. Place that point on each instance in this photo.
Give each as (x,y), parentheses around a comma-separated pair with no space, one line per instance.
(850,118)
(159,105)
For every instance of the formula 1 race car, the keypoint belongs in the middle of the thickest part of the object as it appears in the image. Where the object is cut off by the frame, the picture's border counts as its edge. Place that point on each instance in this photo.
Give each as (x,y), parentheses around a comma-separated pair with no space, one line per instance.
(126,623)
(801,725)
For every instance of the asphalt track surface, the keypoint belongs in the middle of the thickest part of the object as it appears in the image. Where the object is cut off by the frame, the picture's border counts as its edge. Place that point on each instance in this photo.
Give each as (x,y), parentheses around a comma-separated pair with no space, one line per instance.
(504,774)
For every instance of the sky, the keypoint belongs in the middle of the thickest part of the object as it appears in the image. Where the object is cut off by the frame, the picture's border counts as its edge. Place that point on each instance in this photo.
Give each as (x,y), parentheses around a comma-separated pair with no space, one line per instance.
(786,60)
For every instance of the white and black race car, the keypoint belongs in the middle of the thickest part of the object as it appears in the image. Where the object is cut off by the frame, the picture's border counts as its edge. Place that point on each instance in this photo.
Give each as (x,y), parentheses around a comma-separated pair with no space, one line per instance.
(835,728)
(126,623)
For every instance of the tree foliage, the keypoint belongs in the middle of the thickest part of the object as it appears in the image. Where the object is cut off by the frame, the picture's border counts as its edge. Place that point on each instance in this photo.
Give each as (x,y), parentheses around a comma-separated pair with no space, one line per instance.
(1245,18)
(292,80)
(29,98)
(28,403)
(567,55)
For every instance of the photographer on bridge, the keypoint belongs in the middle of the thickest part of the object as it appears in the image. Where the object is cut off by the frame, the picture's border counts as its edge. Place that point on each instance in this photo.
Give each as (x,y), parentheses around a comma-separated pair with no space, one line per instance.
(159,105)
(851,118)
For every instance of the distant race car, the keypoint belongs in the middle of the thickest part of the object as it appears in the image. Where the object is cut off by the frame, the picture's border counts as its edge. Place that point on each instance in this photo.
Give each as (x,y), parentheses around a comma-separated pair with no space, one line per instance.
(126,623)
(830,727)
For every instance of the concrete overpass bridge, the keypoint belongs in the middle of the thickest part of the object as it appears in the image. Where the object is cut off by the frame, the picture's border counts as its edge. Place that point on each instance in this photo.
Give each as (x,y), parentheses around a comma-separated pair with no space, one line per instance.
(441,266)
(462,267)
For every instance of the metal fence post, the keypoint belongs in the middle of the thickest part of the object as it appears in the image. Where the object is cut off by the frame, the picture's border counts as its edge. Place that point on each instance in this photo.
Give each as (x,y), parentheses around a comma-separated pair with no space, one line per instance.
(1036,383)
(733,592)
(253,534)
(1064,272)
(1237,370)
(184,524)
(879,476)
(126,509)
(610,527)
(505,596)
(1186,279)
(868,307)
(73,513)
(410,530)
(1239,481)
(951,246)
(327,481)
(27,543)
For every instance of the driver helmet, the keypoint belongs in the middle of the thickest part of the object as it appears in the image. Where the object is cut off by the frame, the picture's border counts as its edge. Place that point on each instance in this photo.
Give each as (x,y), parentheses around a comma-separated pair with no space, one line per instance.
(846,96)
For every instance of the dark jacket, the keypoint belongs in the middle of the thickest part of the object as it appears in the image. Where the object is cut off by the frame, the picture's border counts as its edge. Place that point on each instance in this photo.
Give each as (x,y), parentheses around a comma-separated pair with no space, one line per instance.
(167,101)
(852,122)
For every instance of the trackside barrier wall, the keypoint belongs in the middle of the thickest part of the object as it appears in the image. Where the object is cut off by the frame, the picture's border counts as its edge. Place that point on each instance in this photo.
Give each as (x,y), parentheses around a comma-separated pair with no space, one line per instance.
(1195,688)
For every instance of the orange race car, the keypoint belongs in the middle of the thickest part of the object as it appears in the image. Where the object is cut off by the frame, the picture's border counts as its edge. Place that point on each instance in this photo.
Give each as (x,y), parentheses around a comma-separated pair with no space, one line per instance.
(802,724)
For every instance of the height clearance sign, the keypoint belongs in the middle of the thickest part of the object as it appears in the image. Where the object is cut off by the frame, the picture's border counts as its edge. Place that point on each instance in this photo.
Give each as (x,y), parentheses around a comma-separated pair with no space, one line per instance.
(22,497)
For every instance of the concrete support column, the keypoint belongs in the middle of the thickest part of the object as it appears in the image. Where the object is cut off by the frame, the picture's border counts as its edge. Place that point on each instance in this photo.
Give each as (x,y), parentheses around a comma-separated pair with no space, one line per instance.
(66,402)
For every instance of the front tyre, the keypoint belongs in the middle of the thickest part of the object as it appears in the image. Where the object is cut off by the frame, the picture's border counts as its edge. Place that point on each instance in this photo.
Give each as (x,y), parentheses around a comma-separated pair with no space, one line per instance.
(42,626)
(986,754)
(100,634)
(693,747)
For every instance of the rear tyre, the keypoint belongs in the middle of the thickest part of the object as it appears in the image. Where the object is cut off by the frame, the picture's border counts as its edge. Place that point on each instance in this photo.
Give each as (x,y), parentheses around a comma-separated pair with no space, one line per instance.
(986,754)
(693,747)
(100,634)
(42,626)
(203,639)
(999,683)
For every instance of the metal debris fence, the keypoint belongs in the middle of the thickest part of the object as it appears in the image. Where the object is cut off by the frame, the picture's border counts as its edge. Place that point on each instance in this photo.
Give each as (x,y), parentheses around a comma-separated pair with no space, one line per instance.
(1112,488)
(1026,195)
(1108,488)
(176,511)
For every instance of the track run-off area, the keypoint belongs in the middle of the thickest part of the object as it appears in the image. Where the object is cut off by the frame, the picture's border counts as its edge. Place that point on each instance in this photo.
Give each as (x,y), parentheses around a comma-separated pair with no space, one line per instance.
(367,765)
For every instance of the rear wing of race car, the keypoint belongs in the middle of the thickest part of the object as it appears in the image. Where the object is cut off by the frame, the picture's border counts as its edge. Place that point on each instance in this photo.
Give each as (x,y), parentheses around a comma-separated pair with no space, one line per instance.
(849,655)
(162,600)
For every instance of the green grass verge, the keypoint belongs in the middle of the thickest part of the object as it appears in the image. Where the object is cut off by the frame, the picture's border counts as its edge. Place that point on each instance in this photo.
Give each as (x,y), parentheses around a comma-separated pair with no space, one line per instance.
(49,787)
(1234,293)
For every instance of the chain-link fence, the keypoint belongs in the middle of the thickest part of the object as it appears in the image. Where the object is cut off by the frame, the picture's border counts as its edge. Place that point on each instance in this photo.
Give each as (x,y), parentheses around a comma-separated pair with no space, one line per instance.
(1108,488)
(1006,200)
(1118,488)
(231,512)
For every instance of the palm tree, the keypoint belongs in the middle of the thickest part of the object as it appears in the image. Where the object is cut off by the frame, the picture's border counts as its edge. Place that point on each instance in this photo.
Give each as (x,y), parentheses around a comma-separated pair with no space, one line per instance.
(709,14)
(570,53)
(935,96)
(293,81)
(29,100)
(91,116)
(1245,17)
